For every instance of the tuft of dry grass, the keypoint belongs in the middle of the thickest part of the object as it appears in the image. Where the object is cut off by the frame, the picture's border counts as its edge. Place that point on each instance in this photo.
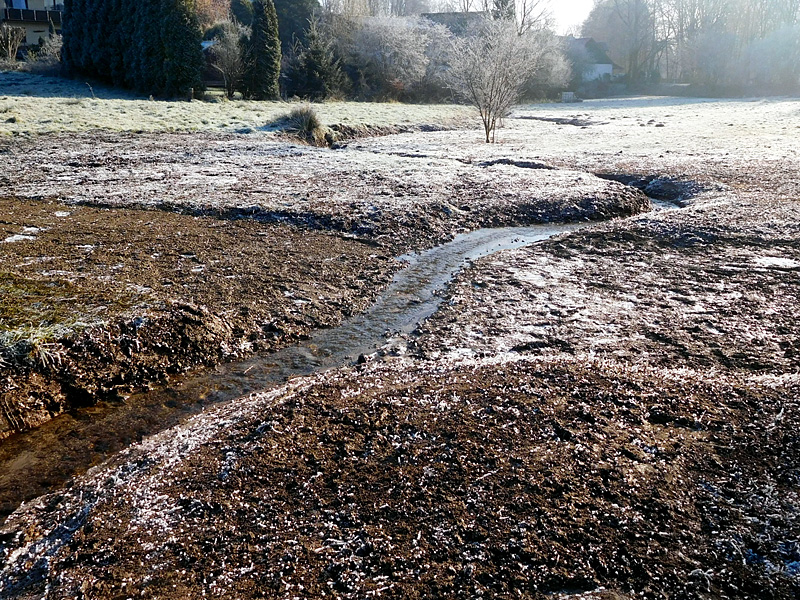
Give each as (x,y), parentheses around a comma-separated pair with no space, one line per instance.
(32,344)
(304,119)
(304,122)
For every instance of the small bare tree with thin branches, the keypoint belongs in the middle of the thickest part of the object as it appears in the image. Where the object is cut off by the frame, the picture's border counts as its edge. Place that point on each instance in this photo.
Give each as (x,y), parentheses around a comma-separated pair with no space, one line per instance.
(11,39)
(228,55)
(490,67)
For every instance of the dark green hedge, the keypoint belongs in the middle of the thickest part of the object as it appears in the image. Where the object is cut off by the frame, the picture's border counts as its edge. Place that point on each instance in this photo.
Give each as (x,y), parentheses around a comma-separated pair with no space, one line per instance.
(152,46)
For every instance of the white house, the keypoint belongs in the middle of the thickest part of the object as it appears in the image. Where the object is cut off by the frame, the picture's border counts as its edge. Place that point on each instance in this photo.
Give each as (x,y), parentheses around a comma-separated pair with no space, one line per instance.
(34,16)
(592,59)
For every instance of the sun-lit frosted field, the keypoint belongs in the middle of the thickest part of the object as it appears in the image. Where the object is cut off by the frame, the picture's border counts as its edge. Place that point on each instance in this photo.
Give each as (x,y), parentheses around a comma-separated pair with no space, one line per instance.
(611,413)
(38,104)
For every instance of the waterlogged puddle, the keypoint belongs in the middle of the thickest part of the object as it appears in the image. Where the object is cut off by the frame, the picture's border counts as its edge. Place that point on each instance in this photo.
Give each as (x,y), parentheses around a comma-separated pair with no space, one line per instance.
(71,443)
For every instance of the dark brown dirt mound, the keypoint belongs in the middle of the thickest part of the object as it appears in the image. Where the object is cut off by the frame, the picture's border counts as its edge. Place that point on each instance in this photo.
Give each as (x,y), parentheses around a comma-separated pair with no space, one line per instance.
(106,301)
(501,480)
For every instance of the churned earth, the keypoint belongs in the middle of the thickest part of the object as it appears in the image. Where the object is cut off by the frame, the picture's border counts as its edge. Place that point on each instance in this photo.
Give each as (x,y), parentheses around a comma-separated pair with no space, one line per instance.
(504,477)
(609,414)
(128,257)
(96,302)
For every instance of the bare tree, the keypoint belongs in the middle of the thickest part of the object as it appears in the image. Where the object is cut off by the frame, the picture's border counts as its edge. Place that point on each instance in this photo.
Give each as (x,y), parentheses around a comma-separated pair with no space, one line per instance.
(229,57)
(529,14)
(463,6)
(348,8)
(775,60)
(490,68)
(211,11)
(11,39)
(712,42)
(628,26)
(533,14)
(407,8)
(389,53)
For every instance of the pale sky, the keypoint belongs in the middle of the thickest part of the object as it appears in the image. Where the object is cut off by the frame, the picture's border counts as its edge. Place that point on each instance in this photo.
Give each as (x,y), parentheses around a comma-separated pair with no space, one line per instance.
(570,12)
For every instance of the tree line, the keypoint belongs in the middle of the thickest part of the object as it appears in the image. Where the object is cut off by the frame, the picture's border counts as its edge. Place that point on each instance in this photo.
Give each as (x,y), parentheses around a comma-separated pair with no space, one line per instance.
(364,49)
(724,44)
(350,52)
(154,46)
(149,45)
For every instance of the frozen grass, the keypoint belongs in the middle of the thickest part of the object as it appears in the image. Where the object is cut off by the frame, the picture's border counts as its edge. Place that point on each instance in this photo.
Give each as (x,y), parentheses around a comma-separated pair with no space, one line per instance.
(304,122)
(32,103)
(628,135)
(36,344)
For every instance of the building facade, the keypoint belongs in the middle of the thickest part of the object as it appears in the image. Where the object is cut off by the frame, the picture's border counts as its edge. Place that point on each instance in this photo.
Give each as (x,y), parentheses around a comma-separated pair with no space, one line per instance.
(34,16)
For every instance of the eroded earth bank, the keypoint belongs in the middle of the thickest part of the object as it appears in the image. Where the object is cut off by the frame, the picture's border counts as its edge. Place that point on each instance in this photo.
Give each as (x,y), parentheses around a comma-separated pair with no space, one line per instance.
(612,413)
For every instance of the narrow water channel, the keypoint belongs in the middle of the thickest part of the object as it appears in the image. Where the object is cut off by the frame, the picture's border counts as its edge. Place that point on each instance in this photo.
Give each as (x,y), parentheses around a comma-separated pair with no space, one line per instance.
(44,459)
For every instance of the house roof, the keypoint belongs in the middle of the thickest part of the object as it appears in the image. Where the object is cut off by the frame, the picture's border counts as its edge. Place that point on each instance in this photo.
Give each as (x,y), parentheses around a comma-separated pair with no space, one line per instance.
(597,52)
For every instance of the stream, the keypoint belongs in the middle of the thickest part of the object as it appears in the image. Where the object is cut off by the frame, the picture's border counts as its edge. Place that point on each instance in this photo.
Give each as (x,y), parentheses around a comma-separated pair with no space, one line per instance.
(46,458)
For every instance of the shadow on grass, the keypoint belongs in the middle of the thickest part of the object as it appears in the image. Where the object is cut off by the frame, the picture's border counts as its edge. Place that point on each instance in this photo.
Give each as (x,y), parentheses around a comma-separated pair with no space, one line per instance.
(21,84)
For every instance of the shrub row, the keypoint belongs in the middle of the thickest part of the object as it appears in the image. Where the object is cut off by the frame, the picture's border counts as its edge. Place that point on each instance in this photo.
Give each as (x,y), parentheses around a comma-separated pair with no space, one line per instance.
(152,46)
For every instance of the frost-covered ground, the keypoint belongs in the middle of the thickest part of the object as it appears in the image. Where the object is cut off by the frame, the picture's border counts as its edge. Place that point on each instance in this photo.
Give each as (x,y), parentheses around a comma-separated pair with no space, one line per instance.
(723,267)
(659,135)
(33,104)
(694,286)
(612,414)
(393,198)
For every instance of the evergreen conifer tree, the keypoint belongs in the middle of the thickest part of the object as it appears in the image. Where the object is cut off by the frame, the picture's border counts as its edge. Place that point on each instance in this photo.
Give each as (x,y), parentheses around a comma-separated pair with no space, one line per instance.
(293,19)
(150,45)
(116,41)
(147,54)
(242,11)
(264,54)
(130,45)
(99,55)
(69,39)
(505,9)
(316,73)
(88,26)
(180,37)
(76,29)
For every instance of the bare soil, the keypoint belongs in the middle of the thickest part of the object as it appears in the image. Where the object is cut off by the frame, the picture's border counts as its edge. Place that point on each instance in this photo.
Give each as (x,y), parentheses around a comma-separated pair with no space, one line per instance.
(227,245)
(610,414)
(138,295)
(519,478)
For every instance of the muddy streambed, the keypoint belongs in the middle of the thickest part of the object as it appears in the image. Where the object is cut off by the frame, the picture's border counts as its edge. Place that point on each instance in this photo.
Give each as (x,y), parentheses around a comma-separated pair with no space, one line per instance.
(38,461)
(612,414)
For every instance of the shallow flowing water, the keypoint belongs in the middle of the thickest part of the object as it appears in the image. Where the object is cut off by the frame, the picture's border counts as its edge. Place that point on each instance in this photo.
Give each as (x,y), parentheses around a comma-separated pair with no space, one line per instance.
(41,460)
(412,297)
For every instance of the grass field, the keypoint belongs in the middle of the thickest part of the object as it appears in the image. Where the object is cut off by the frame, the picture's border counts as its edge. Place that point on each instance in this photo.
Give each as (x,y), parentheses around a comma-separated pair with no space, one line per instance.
(39,104)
